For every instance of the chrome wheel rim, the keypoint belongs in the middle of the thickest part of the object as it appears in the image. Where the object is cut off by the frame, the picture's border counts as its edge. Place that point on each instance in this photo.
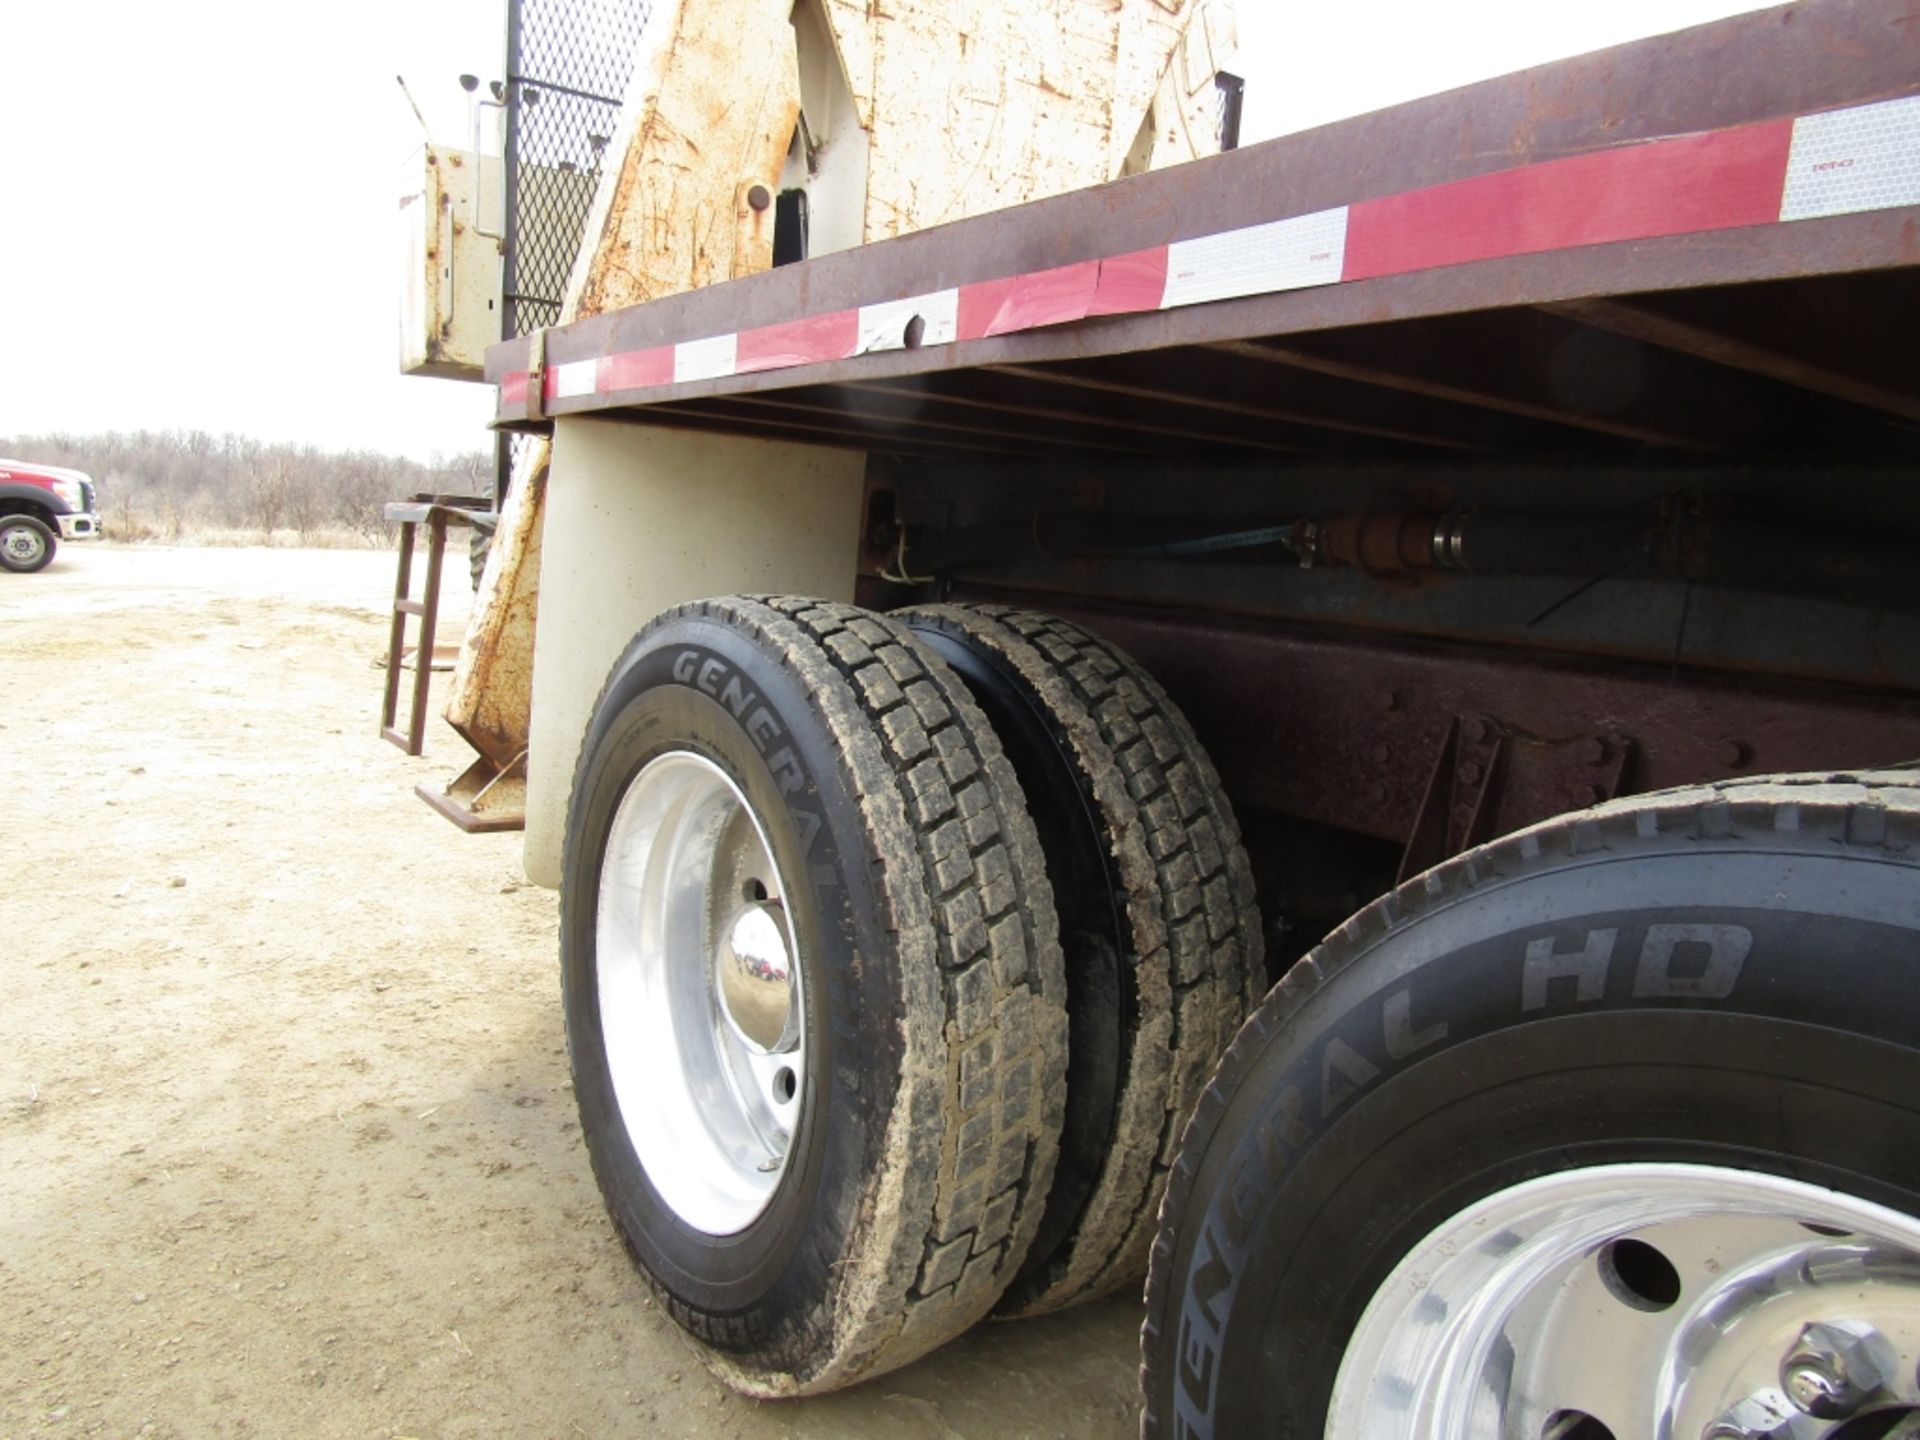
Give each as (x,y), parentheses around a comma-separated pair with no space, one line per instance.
(24,543)
(1679,1302)
(702,1015)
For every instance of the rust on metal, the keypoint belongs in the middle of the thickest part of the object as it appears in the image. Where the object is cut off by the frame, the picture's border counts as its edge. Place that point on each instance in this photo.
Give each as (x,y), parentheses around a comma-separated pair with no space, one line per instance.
(717,99)
(1380,542)
(734,99)
(1815,56)
(1491,778)
(483,798)
(714,128)
(490,700)
(1356,734)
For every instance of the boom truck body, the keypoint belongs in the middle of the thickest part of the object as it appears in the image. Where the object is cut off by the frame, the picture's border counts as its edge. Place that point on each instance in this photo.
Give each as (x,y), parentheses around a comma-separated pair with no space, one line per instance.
(1328,725)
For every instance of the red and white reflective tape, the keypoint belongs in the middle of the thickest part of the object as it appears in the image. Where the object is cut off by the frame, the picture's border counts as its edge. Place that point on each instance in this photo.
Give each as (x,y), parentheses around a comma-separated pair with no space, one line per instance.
(1840,162)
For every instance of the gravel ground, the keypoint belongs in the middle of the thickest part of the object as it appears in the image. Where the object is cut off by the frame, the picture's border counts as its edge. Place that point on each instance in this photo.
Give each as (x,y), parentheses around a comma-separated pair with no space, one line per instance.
(286,1141)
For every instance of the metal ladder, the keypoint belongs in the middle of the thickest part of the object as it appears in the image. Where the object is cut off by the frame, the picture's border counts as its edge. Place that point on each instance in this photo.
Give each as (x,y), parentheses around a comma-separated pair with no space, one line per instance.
(436,512)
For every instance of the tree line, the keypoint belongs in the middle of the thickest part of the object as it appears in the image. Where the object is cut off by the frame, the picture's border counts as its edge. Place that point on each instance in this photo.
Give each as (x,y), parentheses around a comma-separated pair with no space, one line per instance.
(180,484)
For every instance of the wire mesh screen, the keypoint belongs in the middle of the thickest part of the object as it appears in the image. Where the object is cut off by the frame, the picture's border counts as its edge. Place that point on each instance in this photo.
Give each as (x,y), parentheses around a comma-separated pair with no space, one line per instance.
(568,64)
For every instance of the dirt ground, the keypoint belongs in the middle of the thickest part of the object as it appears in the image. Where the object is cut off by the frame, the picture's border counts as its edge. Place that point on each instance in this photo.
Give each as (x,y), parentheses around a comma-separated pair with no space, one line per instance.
(286,1141)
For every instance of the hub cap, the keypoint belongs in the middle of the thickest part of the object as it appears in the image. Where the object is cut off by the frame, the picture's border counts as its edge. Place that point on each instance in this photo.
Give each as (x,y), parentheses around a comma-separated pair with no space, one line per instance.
(22,543)
(1676,1302)
(699,983)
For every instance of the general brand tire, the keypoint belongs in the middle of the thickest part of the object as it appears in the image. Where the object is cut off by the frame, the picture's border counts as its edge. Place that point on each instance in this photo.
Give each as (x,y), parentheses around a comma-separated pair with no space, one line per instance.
(929,980)
(1155,896)
(26,544)
(1726,977)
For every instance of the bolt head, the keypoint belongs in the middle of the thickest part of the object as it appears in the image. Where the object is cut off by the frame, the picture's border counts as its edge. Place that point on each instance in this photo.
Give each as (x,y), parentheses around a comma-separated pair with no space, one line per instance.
(1765,1415)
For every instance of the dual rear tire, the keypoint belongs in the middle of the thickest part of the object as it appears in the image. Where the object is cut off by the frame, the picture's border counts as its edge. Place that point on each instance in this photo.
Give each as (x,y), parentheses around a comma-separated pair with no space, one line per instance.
(817,1005)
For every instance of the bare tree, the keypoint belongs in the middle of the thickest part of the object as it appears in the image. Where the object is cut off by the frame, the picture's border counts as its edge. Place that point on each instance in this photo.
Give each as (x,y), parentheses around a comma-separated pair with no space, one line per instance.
(267,490)
(173,483)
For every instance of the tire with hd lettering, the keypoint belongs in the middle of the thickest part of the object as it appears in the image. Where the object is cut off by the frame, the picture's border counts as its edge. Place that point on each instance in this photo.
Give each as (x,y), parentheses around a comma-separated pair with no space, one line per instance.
(1532,1120)
(813,989)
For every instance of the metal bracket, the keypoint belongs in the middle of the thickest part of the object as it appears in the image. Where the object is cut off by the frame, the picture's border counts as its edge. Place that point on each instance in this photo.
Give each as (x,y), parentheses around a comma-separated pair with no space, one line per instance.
(537,374)
(482,799)
(1492,778)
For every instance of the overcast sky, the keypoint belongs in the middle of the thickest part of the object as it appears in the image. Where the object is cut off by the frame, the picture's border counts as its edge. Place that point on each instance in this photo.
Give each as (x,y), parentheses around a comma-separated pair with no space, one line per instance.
(198,199)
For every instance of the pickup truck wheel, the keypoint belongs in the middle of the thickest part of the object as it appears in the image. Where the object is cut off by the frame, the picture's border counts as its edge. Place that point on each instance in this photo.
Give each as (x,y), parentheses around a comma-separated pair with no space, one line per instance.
(1155,896)
(26,544)
(813,989)
(1610,1128)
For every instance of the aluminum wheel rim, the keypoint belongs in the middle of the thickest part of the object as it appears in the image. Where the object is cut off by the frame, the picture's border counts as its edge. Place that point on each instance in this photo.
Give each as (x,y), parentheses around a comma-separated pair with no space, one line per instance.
(702,1014)
(24,543)
(1529,1316)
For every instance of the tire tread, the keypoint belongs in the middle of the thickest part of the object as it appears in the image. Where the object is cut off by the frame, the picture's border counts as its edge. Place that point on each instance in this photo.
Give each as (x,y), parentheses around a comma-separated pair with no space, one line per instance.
(1188,902)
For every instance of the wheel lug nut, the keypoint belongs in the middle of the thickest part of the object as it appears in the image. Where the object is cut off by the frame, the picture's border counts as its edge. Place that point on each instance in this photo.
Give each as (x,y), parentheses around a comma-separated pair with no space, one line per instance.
(1766,1415)
(1833,1368)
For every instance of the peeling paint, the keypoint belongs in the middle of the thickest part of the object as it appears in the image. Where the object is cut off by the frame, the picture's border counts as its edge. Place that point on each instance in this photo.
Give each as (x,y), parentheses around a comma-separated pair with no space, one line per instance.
(490,699)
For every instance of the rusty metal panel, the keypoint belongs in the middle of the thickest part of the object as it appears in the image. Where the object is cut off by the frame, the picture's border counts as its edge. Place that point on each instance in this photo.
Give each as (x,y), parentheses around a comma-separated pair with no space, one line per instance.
(1351,733)
(1031,100)
(970,109)
(490,700)
(713,104)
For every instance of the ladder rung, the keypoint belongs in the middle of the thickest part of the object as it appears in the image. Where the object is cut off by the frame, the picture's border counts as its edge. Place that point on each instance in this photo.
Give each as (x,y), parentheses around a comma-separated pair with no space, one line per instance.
(409,607)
